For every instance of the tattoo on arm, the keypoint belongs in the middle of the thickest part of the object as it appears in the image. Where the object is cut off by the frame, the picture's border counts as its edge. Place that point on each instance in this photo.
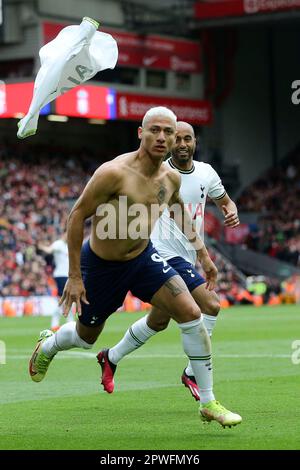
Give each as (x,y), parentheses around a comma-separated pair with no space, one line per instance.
(175,286)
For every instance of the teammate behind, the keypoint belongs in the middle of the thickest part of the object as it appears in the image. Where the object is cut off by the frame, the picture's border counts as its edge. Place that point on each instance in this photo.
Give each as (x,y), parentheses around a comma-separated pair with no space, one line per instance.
(59,250)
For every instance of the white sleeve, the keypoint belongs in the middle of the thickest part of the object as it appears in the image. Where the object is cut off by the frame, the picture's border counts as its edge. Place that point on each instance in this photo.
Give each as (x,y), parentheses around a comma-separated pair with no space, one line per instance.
(216,188)
(56,246)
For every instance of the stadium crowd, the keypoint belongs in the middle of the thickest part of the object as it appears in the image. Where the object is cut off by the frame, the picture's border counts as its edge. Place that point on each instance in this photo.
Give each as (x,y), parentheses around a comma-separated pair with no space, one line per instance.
(276,199)
(35,196)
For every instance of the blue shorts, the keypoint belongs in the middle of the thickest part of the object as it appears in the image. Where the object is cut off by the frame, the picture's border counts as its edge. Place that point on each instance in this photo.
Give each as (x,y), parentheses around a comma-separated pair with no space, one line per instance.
(60,283)
(187,271)
(107,282)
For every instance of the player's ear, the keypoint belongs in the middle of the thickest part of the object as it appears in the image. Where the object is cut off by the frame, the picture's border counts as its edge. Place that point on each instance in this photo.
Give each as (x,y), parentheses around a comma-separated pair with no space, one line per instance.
(140,131)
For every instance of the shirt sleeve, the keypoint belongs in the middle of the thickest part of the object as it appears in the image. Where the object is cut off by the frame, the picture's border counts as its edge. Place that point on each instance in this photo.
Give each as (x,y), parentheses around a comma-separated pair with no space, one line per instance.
(216,188)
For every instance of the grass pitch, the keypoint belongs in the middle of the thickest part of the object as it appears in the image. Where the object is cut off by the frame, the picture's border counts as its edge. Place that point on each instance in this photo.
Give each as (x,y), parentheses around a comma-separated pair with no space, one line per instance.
(150,409)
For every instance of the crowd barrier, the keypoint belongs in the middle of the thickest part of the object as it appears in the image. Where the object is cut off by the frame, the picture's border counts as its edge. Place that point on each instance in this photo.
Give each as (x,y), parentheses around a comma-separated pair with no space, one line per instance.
(45,305)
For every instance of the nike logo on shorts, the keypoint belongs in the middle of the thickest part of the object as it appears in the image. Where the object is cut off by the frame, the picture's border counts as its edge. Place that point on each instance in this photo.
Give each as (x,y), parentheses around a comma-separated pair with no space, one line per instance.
(165,270)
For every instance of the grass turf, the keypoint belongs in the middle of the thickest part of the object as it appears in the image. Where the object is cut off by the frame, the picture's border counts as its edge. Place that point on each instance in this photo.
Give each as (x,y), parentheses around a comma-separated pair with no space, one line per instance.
(150,409)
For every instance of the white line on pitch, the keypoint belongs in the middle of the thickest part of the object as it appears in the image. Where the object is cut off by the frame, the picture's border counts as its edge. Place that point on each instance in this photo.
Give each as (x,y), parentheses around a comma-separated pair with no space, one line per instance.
(88,355)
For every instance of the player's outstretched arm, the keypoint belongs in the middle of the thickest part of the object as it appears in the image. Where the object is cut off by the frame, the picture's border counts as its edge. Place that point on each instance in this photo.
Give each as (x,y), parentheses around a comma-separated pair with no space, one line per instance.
(229,210)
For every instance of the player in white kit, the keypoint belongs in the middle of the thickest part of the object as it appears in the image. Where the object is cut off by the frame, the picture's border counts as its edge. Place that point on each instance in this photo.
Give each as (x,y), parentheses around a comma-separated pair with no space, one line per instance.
(59,250)
(198,180)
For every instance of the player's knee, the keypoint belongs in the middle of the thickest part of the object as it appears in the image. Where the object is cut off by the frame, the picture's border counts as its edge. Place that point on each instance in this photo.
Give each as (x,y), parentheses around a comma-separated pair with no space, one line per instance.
(87,334)
(85,338)
(213,307)
(86,342)
(87,345)
(192,313)
(157,324)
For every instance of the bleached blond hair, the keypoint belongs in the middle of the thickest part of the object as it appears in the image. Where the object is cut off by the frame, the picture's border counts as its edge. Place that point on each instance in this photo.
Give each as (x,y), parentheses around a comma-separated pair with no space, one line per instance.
(159,111)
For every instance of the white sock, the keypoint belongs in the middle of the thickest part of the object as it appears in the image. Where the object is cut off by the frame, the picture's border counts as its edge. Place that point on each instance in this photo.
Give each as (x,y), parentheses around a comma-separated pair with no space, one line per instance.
(196,345)
(65,338)
(133,339)
(55,320)
(209,323)
(70,316)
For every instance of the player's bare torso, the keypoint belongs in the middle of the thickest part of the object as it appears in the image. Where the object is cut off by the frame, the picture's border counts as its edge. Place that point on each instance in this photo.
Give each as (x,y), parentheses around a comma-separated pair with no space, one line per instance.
(121,227)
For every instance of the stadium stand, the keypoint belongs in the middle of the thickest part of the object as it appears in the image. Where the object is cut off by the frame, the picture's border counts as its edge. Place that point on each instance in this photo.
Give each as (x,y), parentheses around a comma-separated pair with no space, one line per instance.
(36,191)
(276,197)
